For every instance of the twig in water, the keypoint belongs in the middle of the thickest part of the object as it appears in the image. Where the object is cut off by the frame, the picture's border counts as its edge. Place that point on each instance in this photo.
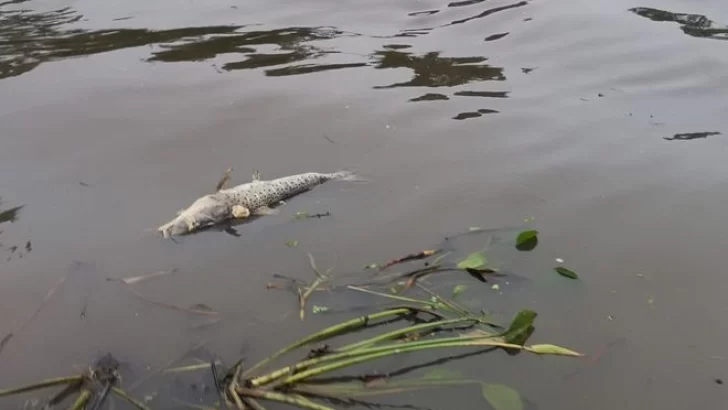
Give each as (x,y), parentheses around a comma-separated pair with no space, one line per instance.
(218,387)
(411,257)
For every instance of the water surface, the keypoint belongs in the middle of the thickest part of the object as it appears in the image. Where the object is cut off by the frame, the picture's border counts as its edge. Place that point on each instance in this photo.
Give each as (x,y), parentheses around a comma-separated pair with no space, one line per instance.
(604,121)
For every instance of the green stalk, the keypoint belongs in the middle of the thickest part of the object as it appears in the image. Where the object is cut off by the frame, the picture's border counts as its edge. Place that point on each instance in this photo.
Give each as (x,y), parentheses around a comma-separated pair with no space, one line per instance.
(393,297)
(399,332)
(385,351)
(390,348)
(282,398)
(330,332)
(41,385)
(81,401)
(122,394)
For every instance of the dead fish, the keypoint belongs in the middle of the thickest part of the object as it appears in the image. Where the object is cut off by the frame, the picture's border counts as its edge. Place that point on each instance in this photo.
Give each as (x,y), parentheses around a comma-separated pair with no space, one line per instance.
(242,201)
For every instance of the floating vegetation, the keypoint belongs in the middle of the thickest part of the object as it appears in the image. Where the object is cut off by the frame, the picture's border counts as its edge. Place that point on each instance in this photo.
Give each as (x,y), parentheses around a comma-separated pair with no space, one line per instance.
(405,316)
(566,272)
(694,25)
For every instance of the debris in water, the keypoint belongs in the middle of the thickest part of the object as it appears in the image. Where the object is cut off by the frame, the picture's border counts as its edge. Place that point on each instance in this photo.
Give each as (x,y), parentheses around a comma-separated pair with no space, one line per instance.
(306,215)
(315,309)
(691,136)
(559,260)
(566,272)
(137,279)
(411,257)
(292,243)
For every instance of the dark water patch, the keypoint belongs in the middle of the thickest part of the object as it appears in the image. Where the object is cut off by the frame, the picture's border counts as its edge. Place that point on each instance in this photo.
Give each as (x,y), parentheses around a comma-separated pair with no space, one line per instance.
(423,13)
(488,12)
(695,25)
(430,97)
(396,46)
(292,41)
(487,94)
(464,3)
(494,37)
(431,70)
(687,136)
(32,38)
(474,114)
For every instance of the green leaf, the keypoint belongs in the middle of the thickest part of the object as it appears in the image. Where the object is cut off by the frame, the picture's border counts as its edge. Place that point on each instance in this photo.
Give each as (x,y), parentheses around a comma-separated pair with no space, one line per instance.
(527,240)
(552,349)
(566,272)
(521,328)
(502,397)
(475,260)
(291,243)
(458,290)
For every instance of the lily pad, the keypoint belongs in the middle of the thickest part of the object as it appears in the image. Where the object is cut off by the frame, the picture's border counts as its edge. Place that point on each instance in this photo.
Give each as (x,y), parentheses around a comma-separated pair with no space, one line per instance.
(566,272)
(292,243)
(527,240)
(502,397)
(475,260)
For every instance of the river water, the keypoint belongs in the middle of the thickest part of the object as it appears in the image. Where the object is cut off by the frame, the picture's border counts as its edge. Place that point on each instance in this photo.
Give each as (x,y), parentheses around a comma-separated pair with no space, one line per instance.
(601,120)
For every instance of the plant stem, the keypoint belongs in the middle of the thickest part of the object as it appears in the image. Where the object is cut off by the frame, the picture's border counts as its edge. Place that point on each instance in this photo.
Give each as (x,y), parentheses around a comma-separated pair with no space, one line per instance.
(399,332)
(82,399)
(282,398)
(390,348)
(394,297)
(332,331)
(121,393)
(364,355)
(41,385)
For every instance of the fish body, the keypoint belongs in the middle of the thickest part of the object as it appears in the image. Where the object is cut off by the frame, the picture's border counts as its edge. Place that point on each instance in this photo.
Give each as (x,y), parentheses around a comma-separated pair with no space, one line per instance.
(241,201)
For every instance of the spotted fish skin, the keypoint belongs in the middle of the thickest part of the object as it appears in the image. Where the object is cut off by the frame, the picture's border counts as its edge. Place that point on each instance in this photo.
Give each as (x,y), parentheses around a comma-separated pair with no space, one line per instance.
(257,194)
(252,198)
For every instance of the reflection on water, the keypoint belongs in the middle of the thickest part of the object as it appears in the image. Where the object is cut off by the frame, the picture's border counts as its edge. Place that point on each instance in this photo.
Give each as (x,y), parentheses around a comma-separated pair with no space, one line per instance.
(488,12)
(430,97)
(431,70)
(474,114)
(695,25)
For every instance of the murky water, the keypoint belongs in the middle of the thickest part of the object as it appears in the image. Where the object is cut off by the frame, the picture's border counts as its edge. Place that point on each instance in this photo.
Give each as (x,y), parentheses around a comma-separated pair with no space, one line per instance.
(602,120)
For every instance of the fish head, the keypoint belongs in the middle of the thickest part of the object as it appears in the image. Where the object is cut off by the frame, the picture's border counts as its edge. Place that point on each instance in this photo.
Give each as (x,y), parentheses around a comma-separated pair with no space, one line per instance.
(204,212)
